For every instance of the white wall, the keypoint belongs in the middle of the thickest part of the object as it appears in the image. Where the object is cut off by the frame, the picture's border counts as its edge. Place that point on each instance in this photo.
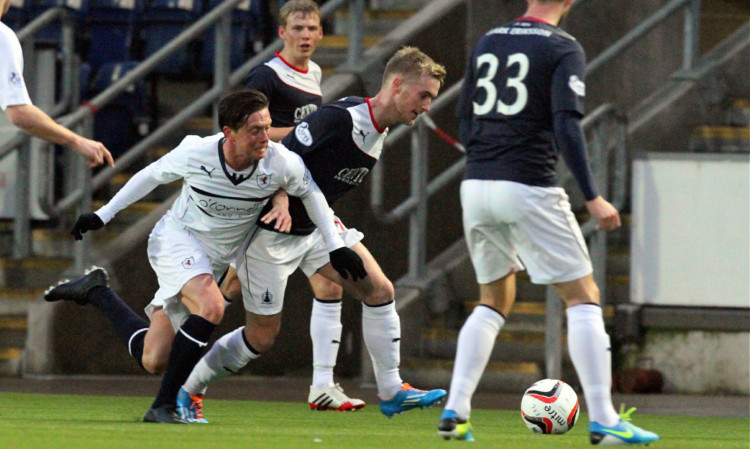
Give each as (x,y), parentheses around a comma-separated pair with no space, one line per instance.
(690,242)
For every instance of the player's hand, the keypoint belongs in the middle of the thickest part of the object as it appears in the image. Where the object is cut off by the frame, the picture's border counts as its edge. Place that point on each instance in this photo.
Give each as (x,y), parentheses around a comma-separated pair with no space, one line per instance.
(279,213)
(346,262)
(86,222)
(95,152)
(609,218)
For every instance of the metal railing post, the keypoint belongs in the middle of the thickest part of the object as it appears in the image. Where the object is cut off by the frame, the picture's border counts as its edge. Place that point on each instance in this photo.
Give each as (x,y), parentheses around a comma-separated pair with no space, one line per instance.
(356,31)
(692,35)
(418,218)
(22,219)
(553,335)
(82,250)
(222,51)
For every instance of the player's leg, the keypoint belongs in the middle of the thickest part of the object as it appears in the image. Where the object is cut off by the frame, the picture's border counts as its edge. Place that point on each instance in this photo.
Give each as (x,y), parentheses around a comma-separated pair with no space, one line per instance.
(325,333)
(590,351)
(230,285)
(93,288)
(157,342)
(203,298)
(474,347)
(488,236)
(381,330)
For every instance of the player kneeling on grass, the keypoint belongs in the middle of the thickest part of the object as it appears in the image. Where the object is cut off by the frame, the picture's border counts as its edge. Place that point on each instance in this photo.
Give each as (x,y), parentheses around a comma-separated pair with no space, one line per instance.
(340,143)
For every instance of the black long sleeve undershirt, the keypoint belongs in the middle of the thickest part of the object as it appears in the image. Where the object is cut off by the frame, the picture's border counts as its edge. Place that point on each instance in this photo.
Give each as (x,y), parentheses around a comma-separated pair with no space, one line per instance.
(570,142)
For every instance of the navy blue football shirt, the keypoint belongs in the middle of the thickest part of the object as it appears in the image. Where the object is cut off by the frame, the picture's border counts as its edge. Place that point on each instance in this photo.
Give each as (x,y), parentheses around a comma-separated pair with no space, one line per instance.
(340,144)
(518,77)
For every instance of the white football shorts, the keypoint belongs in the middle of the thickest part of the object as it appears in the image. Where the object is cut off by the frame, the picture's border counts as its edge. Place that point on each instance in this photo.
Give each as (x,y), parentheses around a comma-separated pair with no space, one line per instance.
(505,220)
(271,257)
(177,256)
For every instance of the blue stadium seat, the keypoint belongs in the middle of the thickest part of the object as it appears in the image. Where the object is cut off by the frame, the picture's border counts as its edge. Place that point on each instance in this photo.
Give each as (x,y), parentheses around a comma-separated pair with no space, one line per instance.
(160,22)
(116,124)
(17,15)
(52,34)
(111,26)
(241,17)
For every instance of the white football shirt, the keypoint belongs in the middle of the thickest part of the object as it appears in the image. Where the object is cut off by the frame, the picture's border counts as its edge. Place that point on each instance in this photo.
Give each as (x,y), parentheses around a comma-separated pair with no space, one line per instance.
(12,86)
(219,205)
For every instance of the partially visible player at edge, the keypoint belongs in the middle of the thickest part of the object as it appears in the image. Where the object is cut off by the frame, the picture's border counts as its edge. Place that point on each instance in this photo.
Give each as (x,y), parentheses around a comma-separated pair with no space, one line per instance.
(227,179)
(340,143)
(291,81)
(522,99)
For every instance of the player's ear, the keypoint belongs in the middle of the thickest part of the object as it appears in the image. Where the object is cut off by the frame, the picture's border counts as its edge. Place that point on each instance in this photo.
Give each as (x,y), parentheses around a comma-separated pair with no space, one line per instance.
(396,83)
(227,132)
(282,32)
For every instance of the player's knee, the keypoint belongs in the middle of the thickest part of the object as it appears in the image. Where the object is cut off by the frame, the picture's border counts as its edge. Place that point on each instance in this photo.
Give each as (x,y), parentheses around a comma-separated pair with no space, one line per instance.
(232,289)
(382,292)
(588,295)
(261,339)
(153,362)
(212,311)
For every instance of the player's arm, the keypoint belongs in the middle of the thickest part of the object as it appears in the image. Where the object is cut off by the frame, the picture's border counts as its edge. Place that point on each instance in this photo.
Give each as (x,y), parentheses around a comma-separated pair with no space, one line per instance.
(36,122)
(570,141)
(279,213)
(138,186)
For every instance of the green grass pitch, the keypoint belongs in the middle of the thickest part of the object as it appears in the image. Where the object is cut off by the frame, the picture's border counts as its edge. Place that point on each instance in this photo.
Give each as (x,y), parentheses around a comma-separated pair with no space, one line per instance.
(31,421)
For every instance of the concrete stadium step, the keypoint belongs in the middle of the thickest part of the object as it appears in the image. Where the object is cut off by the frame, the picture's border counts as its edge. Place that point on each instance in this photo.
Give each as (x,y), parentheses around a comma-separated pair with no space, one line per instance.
(32,272)
(10,361)
(499,376)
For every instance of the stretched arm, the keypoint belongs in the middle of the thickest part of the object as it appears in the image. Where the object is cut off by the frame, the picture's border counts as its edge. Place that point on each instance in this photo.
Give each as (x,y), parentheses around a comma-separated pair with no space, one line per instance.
(36,122)
(571,143)
(140,185)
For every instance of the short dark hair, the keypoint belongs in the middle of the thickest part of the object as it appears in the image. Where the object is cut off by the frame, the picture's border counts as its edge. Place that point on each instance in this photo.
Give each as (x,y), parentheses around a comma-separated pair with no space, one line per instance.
(235,108)
(302,6)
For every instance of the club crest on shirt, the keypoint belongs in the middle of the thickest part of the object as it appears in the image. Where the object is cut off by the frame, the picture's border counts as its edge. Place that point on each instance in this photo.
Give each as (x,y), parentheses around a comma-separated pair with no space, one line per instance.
(302,133)
(577,86)
(264,180)
(266,297)
(188,263)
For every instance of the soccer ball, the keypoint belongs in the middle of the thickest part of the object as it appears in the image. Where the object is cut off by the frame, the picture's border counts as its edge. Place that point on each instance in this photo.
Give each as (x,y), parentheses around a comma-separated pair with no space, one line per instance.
(550,406)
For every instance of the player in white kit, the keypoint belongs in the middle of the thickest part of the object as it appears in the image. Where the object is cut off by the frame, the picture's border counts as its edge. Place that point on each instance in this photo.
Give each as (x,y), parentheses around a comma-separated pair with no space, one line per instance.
(227,179)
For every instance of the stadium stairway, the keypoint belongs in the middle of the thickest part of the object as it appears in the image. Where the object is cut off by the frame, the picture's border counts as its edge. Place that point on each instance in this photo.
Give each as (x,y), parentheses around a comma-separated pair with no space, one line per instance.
(23,281)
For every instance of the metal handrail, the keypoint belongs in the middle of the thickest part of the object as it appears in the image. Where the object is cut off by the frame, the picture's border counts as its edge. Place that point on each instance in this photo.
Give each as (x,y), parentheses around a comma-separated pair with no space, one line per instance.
(193,109)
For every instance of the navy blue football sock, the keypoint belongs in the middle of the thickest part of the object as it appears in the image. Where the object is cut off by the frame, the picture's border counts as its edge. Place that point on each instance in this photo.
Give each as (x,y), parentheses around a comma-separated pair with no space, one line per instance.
(129,326)
(187,348)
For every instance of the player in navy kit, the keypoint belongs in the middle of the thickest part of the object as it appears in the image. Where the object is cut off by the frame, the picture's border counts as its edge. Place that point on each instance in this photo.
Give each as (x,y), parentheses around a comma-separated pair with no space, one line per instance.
(291,81)
(340,144)
(521,102)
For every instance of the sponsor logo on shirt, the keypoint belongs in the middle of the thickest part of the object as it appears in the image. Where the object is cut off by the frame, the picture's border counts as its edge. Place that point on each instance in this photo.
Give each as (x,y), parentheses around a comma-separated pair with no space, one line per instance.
(303,111)
(577,86)
(363,135)
(302,133)
(352,176)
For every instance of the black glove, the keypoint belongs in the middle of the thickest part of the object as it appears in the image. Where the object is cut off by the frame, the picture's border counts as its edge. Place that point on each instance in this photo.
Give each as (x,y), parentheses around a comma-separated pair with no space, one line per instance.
(86,222)
(345,260)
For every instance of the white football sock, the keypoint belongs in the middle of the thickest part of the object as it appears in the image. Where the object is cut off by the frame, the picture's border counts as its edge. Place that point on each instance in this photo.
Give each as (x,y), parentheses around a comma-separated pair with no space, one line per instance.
(590,352)
(325,332)
(227,356)
(475,343)
(381,329)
